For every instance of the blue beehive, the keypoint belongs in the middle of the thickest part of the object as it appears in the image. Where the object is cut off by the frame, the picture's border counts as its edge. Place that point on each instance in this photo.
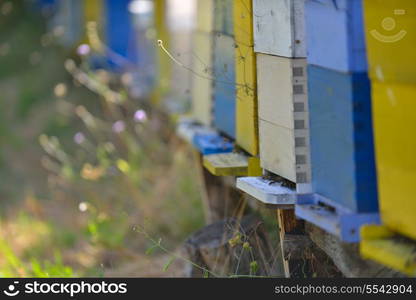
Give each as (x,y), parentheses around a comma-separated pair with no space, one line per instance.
(120,34)
(344,192)
(145,76)
(335,34)
(223,16)
(68,17)
(342,151)
(46,5)
(224,84)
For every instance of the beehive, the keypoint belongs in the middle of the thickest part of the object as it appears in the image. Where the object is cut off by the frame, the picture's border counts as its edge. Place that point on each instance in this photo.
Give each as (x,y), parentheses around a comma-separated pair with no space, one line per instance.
(335,35)
(205,15)
(391,39)
(69,18)
(342,147)
(224,84)
(119,33)
(394,124)
(202,81)
(223,16)
(202,63)
(279,27)
(246,84)
(283,116)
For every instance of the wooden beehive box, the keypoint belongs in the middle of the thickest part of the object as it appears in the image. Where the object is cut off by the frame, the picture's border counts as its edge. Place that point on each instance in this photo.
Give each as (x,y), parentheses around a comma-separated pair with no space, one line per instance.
(92,11)
(390,42)
(391,39)
(335,34)
(223,16)
(224,84)
(202,62)
(283,117)
(163,61)
(147,49)
(69,18)
(391,64)
(202,81)
(279,27)
(342,150)
(119,33)
(205,15)
(246,84)
(394,123)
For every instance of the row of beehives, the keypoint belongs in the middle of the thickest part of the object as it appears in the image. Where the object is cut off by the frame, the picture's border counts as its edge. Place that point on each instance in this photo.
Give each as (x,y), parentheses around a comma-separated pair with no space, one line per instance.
(296,88)
(115,33)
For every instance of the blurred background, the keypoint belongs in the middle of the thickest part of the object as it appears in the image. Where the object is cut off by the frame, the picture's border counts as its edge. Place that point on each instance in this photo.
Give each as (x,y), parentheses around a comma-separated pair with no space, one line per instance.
(89,169)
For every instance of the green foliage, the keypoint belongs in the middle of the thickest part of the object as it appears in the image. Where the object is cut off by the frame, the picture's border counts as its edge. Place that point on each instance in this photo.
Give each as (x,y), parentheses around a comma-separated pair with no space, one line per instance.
(51,269)
(106,231)
(15,267)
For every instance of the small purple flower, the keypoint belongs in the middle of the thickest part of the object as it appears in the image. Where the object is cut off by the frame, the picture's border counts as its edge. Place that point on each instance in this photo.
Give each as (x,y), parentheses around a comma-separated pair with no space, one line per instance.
(83,49)
(79,138)
(119,126)
(140,116)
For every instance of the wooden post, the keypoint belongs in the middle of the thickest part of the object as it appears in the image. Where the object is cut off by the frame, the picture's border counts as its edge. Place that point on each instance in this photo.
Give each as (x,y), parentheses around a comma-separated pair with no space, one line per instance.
(289,225)
(221,199)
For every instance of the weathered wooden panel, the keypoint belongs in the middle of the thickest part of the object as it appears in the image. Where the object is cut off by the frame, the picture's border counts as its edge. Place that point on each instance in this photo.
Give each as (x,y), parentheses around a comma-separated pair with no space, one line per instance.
(335,34)
(285,152)
(277,149)
(246,85)
(267,192)
(394,113)
(283,117)
(226,164)
(202,81)
(223,16)
(391,40)
(205,15)
(342,139)
(224,84)
(279,27)
(281,83)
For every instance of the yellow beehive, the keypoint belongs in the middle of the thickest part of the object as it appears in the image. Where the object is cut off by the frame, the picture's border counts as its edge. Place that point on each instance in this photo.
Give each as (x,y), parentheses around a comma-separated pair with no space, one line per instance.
(202,59)
(202,78)
(163,61)
(394,114)
(93,11)
(204,15)
(391,38)
(381,244)
(245,62)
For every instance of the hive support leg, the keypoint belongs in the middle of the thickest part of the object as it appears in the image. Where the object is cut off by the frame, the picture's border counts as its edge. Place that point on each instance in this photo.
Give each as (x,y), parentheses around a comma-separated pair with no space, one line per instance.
(221,200)
(291,229)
